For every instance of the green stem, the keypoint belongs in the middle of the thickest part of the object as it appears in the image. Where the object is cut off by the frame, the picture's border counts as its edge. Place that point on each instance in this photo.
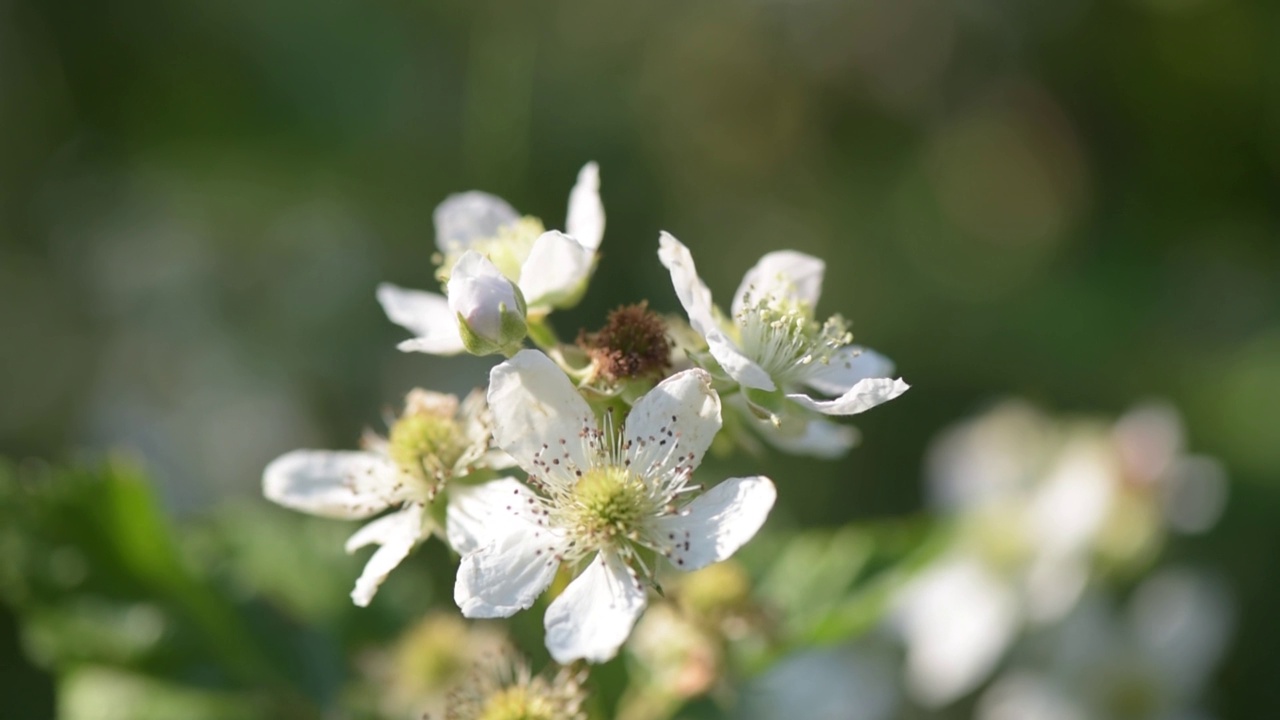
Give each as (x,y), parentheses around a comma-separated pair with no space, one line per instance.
(542,334)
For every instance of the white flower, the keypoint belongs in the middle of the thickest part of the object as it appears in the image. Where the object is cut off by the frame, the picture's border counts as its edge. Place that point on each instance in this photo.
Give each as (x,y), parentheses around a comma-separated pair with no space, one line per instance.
(1038,503)
(771,342)
(433,443)
(488,307)
(956,618)
(1028,502)
(604,497)
(1152,662)
(551,269)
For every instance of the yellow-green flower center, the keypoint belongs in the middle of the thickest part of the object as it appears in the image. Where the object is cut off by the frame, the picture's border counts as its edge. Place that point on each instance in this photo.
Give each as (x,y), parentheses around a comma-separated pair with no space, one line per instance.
(781,334)
(518,703)
(609,504)
(426,445)
(507,251)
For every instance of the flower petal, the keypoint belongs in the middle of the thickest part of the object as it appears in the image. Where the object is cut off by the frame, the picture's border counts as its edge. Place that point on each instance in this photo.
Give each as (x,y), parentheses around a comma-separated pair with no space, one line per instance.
(785,273)
(426,315)
(716,523)
(466,217)
(737,365)
(537,411)
(479,294)
(514,567)
(594,615)
(672,425)
(957,620)
(585,221)
(396,534)
(1077,496)
(555,273)
(864,395)
(475,511)
(847,366)
(692,292)
(339,484)
(820,438)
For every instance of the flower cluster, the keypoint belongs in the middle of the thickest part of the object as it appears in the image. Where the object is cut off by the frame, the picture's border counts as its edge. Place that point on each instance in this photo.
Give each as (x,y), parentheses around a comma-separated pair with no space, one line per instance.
(1040,506)
(606,434)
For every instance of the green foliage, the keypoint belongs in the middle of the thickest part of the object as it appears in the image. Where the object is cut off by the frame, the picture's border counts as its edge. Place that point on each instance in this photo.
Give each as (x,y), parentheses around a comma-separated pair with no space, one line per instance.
(830,586)
(246,615)
(105,590)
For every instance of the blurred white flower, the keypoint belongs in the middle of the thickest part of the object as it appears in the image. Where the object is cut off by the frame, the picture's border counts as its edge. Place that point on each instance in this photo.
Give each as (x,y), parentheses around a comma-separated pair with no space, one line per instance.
(956,618)
(1150,663)
(503,688)
(1038,504)
(1189,490)
(774,348)
(434,444)
(605,496)
(428,661)
(550,269)
(675,657)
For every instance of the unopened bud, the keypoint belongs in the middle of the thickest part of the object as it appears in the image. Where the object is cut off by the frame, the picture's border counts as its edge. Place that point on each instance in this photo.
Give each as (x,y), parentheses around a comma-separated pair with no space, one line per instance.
(489,307)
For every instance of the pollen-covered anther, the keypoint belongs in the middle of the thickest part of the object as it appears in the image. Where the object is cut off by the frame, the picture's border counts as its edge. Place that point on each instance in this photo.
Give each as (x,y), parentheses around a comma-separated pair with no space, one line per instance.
(426,442)
(782,334)
(609,505)
(632,344)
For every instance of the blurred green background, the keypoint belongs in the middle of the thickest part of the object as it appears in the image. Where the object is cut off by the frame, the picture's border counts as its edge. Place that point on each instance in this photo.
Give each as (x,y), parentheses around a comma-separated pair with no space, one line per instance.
(1070,200)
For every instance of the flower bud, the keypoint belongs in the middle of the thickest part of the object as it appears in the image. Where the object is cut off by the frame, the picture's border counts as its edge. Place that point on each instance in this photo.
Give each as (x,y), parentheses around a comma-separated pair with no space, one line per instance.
(489,307)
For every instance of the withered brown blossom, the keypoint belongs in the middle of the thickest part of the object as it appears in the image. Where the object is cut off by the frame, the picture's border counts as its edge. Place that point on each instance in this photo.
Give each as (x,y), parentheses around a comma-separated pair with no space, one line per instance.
(632,344)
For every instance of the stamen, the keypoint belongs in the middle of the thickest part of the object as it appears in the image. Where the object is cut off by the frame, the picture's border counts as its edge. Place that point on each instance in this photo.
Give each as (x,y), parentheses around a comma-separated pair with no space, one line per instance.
(782,336)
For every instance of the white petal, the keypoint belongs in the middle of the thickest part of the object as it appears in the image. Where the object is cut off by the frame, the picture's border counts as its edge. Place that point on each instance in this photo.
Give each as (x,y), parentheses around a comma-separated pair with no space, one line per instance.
(594,615)
(1052,585)
(717,523)
(957,620)
(480,293)
(1194,494)
(535,407)
(1150,438)
(585,221)
(518,563)
(736,364)
(785,273)
(555,273)
(989,459)
(426,315)
(476,511)
(1071,506)
(820,438)
(849,365)
(396,534)
(469,216)
(673,424)
(692,292)
(864,395)
(339,484)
